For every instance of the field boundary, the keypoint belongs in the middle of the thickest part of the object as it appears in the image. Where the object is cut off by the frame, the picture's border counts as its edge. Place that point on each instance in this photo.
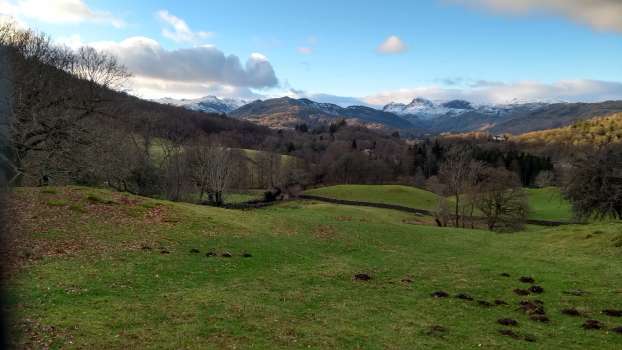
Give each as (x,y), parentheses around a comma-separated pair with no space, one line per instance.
(414,210)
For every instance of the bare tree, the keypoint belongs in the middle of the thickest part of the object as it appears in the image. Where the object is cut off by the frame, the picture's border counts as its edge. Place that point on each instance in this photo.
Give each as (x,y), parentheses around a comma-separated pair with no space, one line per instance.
(458,174)
(269,166)
(55,89)
(211,168)
(176,170)
(545,179)
(594,183)
(501,199)
(98,67)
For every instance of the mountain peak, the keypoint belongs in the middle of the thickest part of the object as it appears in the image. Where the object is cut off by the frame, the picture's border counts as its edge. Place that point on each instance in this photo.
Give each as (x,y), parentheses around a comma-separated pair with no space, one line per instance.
(420,101)
(458,104)
(208,104)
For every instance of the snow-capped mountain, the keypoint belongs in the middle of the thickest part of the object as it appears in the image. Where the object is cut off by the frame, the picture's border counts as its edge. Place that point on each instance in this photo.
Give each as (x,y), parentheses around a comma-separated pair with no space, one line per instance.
(208,104)
(424,109)
(286,112)
(421,115)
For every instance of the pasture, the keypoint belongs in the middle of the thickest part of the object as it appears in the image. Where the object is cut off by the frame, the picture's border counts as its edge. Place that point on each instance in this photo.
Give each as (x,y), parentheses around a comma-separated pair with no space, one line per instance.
(102,270)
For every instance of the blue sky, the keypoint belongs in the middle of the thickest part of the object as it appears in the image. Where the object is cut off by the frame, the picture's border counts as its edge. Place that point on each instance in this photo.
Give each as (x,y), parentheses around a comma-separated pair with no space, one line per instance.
(482,50)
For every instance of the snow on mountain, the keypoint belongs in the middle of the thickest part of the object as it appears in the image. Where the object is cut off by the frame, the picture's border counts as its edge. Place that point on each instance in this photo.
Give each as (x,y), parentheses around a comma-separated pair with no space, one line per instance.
(424,109)
(208,104)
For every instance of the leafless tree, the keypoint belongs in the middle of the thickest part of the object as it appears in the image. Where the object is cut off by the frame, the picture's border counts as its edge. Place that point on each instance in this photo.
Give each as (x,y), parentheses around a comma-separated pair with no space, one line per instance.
(176,170)
(269,166)
(98,67)
(501,199)
(594,183)
(545,179)
(54,90)
(211,168)
(458,174)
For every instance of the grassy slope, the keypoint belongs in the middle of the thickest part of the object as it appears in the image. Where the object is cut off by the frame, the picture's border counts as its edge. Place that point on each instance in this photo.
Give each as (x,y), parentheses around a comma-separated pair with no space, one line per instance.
(548,204)
(91,281)
(389,194)
(245,196)
(595,131)
(545,204)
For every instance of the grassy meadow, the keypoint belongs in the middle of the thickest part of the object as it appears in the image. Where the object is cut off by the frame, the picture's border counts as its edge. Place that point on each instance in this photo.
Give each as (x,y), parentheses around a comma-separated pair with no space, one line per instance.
(406,196)
(103,270)
(548,204)
(545,203)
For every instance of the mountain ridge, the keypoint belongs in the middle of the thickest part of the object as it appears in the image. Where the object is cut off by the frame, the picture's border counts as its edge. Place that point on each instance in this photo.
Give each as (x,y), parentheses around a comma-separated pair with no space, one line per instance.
(289,112)
(419,117)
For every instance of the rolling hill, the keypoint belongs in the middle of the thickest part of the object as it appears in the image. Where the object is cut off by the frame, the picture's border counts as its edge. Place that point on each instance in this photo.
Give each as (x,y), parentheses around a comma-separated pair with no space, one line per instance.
(419,117)
(407,196)
(98,269)
(595,131)
(544,203)
(287,112)
(519,118)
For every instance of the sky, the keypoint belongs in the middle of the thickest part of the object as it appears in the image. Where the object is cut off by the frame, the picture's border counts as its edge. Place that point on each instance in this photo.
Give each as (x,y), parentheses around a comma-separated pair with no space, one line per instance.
(349,52)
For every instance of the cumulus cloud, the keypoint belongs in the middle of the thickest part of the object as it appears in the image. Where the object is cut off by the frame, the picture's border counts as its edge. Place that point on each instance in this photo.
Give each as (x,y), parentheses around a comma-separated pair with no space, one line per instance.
(57,11)
(392,45)
(600,14)
(152,88)
(146,58)
(178,30)
(497,92)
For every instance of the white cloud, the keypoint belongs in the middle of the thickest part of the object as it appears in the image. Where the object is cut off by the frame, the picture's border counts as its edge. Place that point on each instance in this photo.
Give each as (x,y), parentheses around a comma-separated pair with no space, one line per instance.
(179,30)
(496,92)
(57,11)
(152,88)
(189,72)
(600,14)
(392,45)
(259,57)
(145,57)
(73,41)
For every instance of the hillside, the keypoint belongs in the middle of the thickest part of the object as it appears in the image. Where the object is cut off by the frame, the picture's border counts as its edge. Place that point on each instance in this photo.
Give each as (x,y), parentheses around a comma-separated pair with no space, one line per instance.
(208,104)
(548,204)
(544,203)
(421,116)
(595,131)
(287,112)
(108,270)
(519,118)
(388,194)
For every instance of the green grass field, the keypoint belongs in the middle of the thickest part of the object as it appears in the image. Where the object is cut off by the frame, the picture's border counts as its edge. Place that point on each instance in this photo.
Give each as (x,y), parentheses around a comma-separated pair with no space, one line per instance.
(104,270)
(544,203)
(388,194)
(245,196)
(548,204)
